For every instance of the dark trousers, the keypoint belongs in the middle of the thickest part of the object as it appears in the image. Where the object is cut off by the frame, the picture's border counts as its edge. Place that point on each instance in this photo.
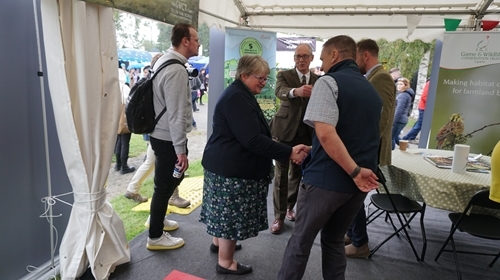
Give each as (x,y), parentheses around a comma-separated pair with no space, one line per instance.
(165,183)
(396,130)
(122,148)
(202,92)
(357,231)
(320,210)
(287,176)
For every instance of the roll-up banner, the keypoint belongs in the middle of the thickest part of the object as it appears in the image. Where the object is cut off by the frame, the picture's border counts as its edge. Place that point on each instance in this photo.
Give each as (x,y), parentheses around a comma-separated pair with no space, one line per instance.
(240,42)
(467,102)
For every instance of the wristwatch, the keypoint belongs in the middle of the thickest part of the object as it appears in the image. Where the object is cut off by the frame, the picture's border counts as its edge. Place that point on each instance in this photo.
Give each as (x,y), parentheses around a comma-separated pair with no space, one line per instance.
(355,172)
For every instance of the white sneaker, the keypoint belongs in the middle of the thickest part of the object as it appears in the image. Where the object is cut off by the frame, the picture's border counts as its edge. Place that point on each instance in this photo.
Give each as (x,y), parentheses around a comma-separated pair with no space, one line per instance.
(165,242)
(168,225)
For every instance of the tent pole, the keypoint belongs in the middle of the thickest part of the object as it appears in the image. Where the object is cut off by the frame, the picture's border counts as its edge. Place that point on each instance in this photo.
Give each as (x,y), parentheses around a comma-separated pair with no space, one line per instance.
(45,135)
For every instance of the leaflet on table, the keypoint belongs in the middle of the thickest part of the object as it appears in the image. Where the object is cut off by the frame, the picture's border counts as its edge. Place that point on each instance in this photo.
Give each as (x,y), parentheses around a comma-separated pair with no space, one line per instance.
(445,162)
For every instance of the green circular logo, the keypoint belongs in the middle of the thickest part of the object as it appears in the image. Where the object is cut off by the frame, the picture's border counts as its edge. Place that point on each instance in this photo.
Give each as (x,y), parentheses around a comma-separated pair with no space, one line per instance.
(250,46)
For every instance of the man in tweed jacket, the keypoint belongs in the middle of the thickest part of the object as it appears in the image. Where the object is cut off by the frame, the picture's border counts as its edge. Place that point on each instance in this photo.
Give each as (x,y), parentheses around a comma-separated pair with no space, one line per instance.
(367,60)
(293,88)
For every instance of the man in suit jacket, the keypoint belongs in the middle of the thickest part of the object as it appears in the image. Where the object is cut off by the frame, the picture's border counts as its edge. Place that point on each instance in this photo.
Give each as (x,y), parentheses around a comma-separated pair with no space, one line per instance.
(367,60)
(293,88)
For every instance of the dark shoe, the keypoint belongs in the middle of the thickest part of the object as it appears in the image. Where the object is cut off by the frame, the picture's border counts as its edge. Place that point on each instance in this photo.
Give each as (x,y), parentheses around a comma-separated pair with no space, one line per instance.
(290,215)
(240,269)
(215,249)
(135,197)
(202,104)
(277,226)
(127,169)
(118,167)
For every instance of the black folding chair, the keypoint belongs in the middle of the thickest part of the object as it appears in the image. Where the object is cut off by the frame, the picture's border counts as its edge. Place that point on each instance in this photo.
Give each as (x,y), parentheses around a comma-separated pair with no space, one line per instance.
(480,225)
(400,205)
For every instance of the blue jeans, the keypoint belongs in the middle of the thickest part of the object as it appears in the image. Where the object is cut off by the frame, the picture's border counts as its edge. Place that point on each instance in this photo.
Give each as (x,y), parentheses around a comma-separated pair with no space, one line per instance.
(194,96)
(412,134)
(396,129)
(357,231)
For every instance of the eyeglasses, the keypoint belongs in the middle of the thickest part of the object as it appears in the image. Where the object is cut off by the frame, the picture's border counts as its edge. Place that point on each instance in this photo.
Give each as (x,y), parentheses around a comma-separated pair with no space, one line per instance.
(304,56)
(261,79)
(195,39)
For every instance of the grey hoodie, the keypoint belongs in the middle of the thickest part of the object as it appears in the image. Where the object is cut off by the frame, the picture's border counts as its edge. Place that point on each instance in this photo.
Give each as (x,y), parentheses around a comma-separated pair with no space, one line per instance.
(170,87)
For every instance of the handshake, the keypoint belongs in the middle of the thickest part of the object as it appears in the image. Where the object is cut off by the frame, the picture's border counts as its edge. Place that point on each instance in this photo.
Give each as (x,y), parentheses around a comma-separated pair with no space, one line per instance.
(299,153)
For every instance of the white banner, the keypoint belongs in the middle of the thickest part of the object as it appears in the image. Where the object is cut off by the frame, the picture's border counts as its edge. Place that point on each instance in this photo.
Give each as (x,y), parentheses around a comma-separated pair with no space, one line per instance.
(467,100)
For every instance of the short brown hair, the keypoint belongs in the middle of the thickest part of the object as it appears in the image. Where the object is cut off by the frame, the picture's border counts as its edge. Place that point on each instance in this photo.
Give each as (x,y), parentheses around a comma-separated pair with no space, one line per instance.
(405,82)
(249,64)
(179,31)
(368,45)
(345,45)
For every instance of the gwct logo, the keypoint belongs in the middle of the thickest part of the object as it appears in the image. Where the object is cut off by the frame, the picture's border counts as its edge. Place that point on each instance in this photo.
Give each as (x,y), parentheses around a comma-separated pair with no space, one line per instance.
(483,44)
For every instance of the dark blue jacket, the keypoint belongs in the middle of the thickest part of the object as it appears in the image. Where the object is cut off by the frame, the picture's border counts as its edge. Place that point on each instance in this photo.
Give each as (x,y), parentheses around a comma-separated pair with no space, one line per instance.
(403,105)
(241,145)
(358,126)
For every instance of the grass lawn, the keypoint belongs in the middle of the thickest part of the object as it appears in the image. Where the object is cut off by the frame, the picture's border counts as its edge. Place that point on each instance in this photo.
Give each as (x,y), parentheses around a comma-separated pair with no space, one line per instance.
(411,122)
(134,220)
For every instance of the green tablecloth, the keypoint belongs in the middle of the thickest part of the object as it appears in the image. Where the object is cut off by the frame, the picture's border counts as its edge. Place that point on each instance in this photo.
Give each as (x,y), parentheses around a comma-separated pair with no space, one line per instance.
(411,175)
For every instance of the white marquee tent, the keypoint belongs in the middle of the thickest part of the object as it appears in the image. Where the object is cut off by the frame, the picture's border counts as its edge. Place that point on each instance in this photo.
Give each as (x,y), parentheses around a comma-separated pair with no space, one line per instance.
(388,19)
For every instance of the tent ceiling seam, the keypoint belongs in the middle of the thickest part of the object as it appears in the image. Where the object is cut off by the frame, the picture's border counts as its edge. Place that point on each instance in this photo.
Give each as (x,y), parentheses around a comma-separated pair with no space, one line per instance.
(219,17)
(240,6)
(348,27)
(350,7)
(375,12)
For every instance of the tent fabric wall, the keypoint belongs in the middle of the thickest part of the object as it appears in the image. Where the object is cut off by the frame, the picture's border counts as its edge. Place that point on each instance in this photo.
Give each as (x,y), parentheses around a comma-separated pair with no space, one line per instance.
(387,19)
(81,57)
(25,238)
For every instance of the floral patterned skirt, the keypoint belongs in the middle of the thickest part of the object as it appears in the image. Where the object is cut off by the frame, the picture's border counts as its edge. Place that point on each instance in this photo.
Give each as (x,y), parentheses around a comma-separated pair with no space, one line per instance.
(234,208)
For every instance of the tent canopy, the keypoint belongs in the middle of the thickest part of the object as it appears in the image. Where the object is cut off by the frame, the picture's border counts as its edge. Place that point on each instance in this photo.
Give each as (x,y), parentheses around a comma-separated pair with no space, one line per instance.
(200,63)
(382,19)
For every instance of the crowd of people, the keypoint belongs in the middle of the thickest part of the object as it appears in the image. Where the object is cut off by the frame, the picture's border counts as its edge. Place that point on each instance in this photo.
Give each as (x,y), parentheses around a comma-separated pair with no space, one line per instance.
(335,126)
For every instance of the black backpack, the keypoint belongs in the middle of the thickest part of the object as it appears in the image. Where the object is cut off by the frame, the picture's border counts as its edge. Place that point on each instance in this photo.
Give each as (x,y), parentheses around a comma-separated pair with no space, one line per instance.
(140,110)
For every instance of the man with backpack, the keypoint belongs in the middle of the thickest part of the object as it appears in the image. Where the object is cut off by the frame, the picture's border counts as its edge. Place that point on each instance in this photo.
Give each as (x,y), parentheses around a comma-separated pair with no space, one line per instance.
(168,139)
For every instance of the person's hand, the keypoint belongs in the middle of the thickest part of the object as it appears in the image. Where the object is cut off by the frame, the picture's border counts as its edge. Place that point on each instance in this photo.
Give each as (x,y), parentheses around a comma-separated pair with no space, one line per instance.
(182,162)
(304,148)
(366,180)
(299,153)
(303,91)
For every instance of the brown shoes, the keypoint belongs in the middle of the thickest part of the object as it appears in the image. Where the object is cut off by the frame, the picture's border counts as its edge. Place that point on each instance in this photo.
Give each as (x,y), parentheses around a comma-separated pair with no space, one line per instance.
(178,201)
(357,252)
(277,226)
(290,215)
(347,240)
(135,197)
